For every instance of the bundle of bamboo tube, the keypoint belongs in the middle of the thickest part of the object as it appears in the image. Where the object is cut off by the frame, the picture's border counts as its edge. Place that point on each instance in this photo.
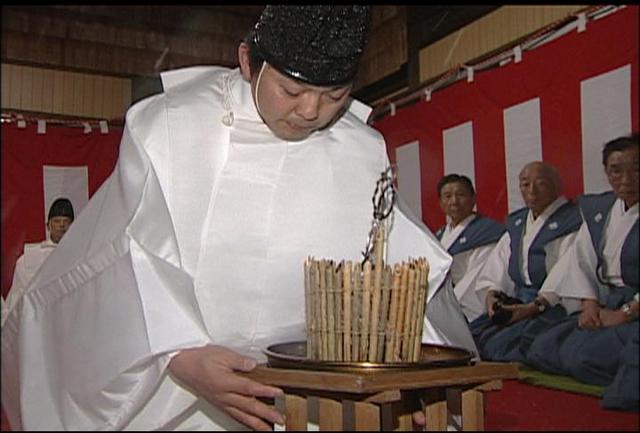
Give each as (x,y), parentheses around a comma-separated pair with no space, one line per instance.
(367,312)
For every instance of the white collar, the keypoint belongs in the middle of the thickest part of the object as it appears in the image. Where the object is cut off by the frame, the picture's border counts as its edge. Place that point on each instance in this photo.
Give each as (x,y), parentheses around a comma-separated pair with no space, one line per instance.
(548,211)
(465,222)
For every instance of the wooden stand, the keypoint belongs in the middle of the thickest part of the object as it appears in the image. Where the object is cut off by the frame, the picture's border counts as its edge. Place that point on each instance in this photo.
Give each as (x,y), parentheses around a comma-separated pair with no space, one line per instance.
(385,400)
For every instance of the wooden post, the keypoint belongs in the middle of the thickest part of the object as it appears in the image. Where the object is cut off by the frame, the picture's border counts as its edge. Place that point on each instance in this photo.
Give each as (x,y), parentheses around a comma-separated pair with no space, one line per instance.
(331,320)
(356,314)
(346,308)
(393,314)
(366,311)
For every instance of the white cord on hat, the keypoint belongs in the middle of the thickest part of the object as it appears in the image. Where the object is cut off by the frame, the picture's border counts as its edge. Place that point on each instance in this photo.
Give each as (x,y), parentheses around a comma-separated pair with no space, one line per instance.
(227,119)
(255,96)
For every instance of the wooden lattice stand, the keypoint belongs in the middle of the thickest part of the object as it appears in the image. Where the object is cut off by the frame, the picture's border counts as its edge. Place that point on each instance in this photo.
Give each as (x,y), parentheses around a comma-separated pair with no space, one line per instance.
(385,400)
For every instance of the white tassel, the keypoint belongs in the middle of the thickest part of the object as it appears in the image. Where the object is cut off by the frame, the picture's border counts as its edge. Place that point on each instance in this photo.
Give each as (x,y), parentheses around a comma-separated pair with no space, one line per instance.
(582,22)
(517,54)
(469,74)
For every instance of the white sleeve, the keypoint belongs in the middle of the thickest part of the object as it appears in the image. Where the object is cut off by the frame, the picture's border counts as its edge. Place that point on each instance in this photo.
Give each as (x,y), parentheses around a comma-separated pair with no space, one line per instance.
(558,248)
(18,287)
(574,276)
(479,257)
(471,299)
(88,347)
(5,311)
(495,273)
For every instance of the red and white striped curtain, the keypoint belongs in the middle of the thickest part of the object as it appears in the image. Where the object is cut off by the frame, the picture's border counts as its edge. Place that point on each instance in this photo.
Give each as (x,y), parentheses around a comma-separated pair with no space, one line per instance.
(560,103)
(39,164)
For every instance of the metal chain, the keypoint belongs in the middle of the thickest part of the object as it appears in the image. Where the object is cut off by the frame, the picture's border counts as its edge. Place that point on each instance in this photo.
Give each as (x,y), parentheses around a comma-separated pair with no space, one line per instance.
(384,198)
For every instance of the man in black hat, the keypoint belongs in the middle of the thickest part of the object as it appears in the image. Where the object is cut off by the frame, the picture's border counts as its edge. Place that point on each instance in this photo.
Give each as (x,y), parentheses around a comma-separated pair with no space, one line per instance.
(59,220)
(188,261)
(301,62)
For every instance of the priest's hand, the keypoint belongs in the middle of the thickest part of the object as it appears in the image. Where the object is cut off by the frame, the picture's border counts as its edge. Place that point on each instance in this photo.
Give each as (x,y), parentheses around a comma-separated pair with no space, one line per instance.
(490,302)
(521,311)
(590,315)
(210,372)
(612,317)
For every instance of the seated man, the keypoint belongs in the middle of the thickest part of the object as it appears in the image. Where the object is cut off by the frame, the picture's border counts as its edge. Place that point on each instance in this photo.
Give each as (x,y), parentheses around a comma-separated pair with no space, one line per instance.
(468,237)
(600,344)
(537,236)
(59,219)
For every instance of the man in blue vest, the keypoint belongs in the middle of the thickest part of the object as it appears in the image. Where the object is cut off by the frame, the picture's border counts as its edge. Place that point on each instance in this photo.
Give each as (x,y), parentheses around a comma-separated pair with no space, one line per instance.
(537,236)
(599,345)
(468,237)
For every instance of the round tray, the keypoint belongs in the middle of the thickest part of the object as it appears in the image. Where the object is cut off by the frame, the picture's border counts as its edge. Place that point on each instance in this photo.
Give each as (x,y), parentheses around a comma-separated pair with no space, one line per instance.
(294,355)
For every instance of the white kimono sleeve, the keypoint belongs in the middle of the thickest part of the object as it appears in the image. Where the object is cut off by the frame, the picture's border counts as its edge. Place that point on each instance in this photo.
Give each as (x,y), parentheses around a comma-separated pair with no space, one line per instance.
(88,345)
(18,287)
(471,300)
(574,276)
(495,273)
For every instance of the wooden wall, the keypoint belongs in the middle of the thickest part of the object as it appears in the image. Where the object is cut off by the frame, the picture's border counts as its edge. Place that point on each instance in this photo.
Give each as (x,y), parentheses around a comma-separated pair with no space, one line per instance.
(41,90)
(83,61)
(497,29)
(88,61)
(386,50)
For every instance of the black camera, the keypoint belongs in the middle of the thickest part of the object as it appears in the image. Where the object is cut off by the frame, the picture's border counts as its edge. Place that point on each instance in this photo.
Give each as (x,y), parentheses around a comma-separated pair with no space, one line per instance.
(501,316)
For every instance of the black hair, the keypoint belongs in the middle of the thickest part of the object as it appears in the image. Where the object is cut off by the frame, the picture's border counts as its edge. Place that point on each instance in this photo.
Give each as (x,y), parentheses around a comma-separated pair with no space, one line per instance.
(61,207)
(459,178)
(255,58)
(619,144)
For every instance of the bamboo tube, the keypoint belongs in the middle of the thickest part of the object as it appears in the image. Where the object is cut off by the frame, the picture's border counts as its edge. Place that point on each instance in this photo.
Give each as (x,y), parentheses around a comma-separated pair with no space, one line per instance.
(393,314)
(337,299)
(356,316)
(331,323)
(376,295)
(402,296)
(422,304)
(324,351)
(415,289)
(406,326)
(366,311)
(420,298)
(384,312)
(307,306)
(315,307)
(346,309)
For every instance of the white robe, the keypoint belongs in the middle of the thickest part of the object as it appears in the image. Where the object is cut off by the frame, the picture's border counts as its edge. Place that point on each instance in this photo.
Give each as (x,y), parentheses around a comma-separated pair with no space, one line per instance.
(495,274)
(26,268)
(574,277)
(198,237)
(465,269)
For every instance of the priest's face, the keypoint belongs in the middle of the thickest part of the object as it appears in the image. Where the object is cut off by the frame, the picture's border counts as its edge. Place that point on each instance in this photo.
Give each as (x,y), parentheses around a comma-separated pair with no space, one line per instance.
(540,186)
(622,173)
(290,108)
(58,226)
(457,201)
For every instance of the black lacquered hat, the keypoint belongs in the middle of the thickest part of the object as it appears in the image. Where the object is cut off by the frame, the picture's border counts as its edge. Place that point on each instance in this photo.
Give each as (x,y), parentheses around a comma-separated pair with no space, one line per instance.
(61,207)
(320,45)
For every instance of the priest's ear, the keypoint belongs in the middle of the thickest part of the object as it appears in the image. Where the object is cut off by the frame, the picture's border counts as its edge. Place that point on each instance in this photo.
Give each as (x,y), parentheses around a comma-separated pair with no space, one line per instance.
(245,60)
